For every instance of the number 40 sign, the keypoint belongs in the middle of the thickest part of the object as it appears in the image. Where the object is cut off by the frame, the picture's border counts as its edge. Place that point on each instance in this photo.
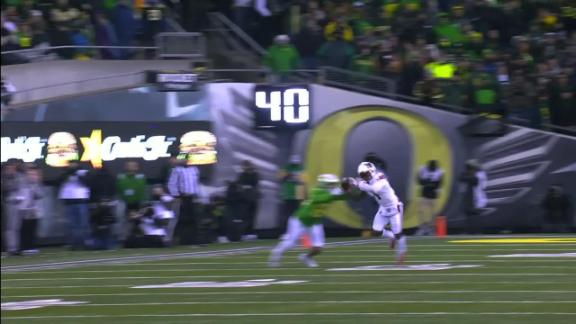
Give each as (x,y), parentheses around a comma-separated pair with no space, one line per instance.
(282,107)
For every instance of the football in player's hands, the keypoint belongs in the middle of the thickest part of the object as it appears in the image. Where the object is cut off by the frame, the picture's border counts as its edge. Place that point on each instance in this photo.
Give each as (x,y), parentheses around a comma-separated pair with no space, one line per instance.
(348,184)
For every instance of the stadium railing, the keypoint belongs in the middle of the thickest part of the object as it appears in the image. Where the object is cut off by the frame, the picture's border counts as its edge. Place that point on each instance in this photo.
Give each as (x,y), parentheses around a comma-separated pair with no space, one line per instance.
(235,35)
(168,45)
(338,78)
(83,87)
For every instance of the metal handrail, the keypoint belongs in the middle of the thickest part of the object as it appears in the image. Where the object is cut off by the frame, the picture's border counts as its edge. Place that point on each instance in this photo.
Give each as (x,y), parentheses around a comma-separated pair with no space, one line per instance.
(26,96)
(107,77)
(320,77)
(52,48)
(239,32)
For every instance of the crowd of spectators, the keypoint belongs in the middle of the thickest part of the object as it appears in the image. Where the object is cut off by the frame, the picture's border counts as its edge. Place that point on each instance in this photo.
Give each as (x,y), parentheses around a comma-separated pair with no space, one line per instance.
(515,58)
(103,209)
(38,24)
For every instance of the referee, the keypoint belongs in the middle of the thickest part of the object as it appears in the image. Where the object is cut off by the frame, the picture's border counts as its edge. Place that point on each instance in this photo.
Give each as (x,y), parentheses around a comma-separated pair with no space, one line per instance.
(184,184)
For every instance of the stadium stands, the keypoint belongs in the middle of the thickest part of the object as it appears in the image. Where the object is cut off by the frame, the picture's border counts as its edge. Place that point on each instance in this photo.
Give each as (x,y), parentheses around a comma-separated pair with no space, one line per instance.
(513,58)
(37,24)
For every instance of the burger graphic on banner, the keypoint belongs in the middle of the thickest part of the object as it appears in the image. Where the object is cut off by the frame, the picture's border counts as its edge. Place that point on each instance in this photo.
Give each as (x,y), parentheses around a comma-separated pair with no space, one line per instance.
(62,148)
(198,147)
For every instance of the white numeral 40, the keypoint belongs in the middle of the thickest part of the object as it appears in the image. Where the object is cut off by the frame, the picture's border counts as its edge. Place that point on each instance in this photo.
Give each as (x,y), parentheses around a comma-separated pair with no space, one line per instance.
(290,96)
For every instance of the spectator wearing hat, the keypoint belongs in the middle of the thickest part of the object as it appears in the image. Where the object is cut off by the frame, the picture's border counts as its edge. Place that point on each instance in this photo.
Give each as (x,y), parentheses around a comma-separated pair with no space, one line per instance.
(281,58)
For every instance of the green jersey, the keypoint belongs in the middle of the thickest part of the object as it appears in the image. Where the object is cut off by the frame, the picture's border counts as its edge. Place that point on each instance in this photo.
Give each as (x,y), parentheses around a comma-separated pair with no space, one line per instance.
(131,187)
(312,210)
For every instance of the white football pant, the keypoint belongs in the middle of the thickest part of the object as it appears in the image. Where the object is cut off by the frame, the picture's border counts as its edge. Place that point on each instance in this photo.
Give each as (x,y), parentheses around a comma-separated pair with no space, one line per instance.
(391,215)
(295,230)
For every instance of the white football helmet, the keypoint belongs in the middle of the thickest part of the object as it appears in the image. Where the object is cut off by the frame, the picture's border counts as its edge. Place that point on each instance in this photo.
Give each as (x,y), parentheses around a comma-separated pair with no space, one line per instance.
(327,179)
(366,171)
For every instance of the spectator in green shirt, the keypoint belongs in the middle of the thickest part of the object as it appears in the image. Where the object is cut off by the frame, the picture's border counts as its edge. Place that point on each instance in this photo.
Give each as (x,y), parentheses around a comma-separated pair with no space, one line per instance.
(131,187)
(484,94)
(449,30)
(281,58)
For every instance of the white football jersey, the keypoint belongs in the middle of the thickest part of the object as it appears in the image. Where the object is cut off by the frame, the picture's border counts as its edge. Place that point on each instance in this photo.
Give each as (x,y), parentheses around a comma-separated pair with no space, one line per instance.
(381,190)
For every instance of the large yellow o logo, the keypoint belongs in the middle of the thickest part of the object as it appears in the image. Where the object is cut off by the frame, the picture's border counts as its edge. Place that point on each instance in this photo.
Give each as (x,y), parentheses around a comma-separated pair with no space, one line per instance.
(328,141)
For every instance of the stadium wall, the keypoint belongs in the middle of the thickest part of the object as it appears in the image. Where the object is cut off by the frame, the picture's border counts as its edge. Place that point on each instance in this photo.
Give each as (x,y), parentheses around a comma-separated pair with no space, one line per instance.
(345,126)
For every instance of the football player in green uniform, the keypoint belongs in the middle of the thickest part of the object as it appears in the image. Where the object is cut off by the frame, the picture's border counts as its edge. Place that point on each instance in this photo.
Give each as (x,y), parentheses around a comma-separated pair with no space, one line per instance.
(308,220)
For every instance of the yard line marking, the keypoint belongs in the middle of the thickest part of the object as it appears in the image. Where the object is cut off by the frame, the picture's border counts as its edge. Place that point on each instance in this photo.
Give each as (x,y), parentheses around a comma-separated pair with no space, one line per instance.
(212,253)
(383,253)
(293,292)
(137,258)
(143,257)
(237,269)
(486,246)
(335,283)
(412,249)
(240,270)
(526,240)
(387,274)
(268,302)
(352,261)
(535,255)
(294,314)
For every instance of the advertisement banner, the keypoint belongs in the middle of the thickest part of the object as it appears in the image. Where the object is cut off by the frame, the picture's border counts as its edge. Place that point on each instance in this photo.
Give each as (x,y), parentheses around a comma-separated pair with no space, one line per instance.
(173,80)
(51,145)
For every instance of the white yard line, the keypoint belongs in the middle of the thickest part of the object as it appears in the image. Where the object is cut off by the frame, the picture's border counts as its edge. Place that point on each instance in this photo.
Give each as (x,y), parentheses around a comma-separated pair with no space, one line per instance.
(132,258)
(294,315)
(411,243)
(331,283)
(263,269)
(384,274)
(412,249)
(389,253)
(515,260)
(144,257)
(299,292)
(276,302)
(339,302)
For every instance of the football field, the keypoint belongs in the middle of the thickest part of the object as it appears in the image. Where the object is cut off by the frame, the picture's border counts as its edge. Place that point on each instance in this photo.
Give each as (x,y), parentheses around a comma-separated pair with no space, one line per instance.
(515,279)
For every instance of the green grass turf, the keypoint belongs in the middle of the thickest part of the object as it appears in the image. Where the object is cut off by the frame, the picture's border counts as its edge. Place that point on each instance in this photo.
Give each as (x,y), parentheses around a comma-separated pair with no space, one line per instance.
(502,290)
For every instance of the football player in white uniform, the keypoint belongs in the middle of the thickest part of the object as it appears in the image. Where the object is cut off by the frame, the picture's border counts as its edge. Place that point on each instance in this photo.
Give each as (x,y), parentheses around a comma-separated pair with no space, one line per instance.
(376,185)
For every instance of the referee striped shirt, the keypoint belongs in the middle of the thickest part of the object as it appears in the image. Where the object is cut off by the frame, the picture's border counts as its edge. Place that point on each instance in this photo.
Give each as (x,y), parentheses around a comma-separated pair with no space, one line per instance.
(184,181)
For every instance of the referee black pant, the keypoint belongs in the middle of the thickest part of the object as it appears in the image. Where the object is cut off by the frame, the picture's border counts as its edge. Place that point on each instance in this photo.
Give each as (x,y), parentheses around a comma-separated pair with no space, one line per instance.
(187,228)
